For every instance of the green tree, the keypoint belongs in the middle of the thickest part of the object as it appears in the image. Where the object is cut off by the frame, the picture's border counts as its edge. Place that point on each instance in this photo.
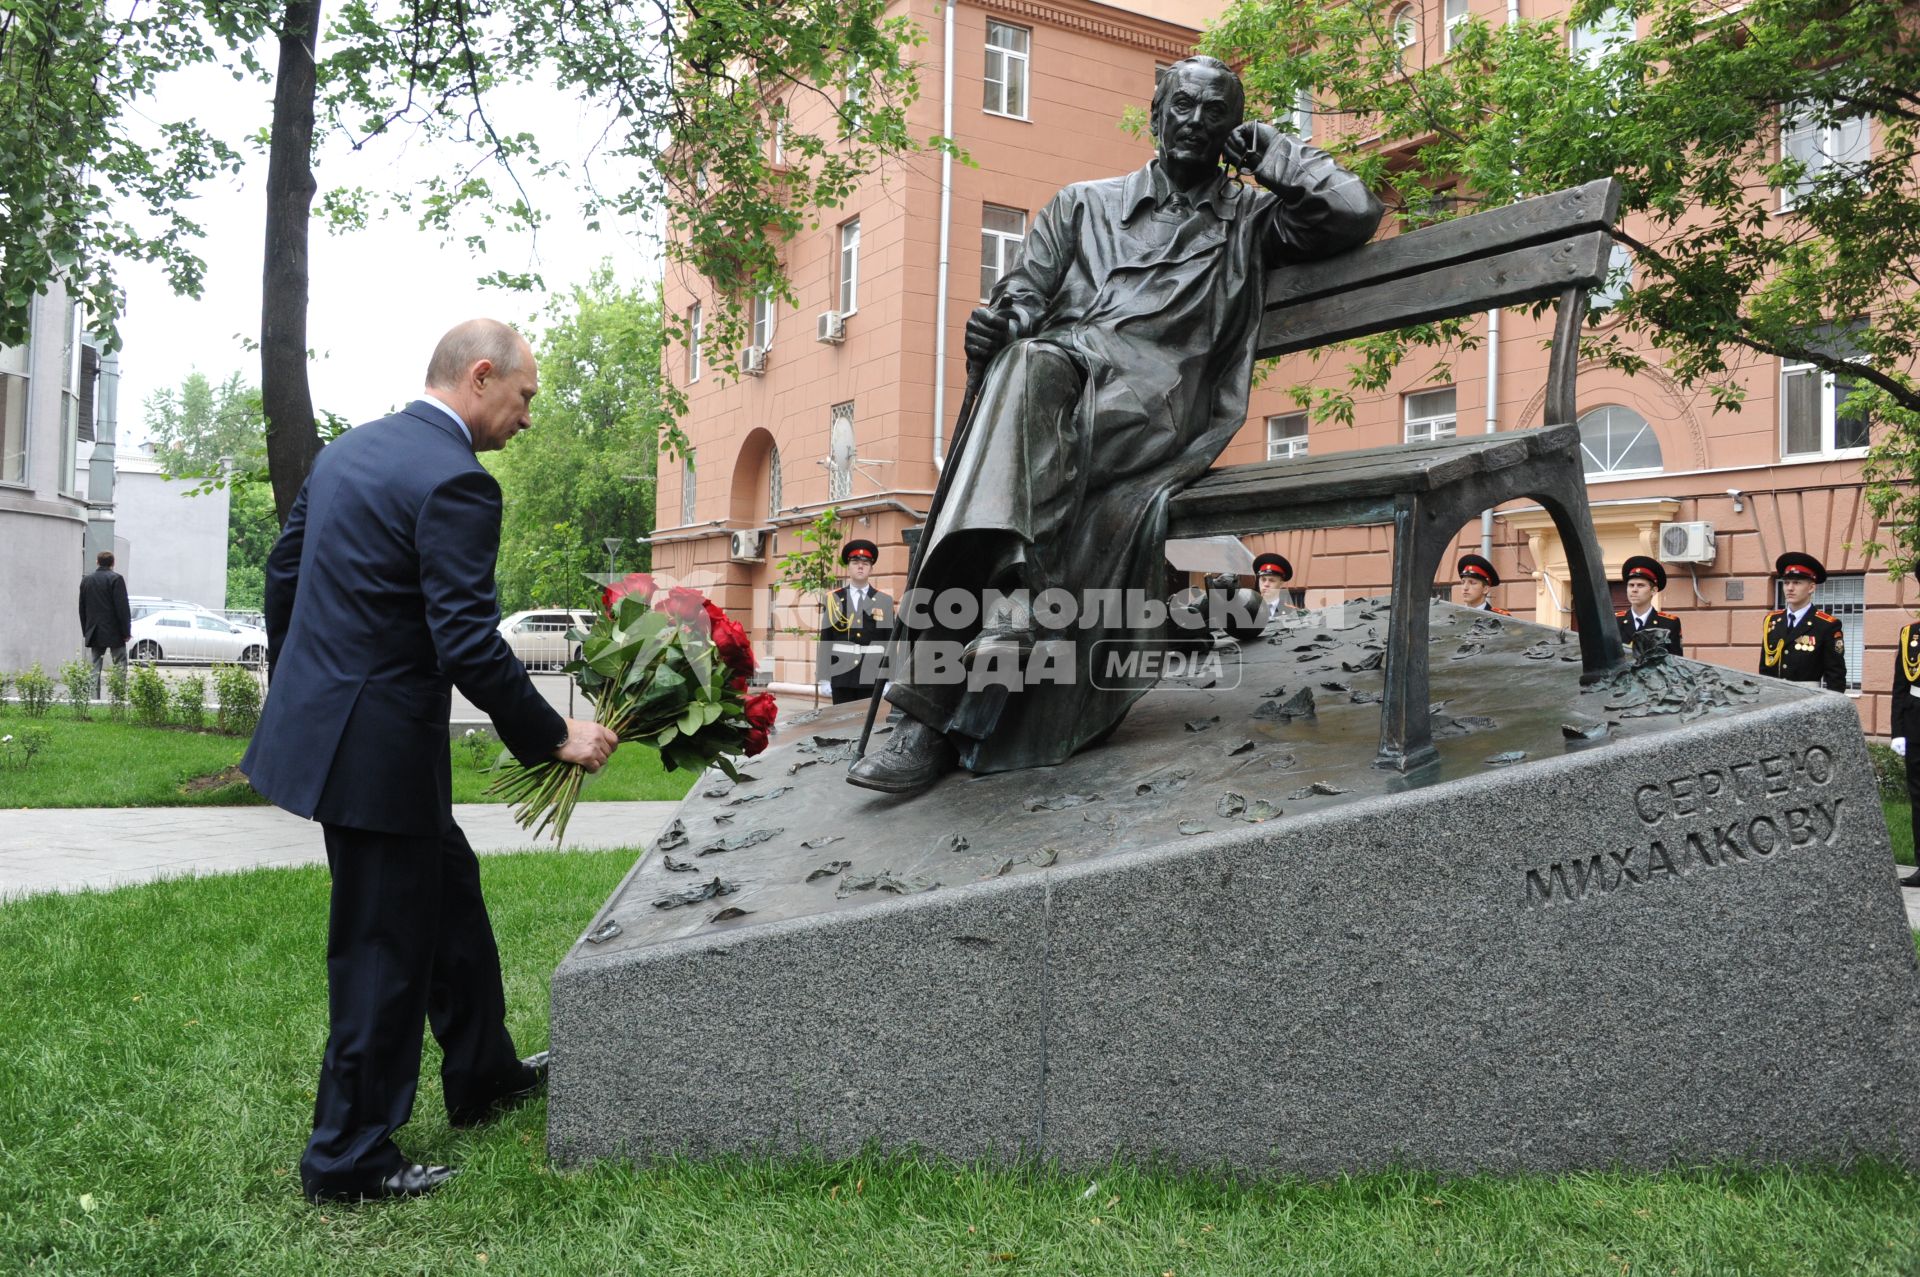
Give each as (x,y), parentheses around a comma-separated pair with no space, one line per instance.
(194,427)
(1688,116)
(690,98)
(252,528)
(586,470)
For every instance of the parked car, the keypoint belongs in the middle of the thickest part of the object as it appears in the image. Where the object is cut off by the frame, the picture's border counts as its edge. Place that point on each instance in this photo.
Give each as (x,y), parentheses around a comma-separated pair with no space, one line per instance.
(539,637)
(181,634)
(147,604)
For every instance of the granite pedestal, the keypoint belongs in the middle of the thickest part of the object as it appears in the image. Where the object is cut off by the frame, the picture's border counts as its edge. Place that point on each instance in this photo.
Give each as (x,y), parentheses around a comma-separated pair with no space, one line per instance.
(1649,921)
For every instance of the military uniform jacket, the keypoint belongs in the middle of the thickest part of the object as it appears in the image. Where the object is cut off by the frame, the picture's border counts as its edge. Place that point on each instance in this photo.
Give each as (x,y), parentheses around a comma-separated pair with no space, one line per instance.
(1906,683)
(1810,652)
(844,635)
(1656,620)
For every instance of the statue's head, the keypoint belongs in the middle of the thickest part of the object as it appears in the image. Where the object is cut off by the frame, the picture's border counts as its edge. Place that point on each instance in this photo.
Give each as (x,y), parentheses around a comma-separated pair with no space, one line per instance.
(1196,104)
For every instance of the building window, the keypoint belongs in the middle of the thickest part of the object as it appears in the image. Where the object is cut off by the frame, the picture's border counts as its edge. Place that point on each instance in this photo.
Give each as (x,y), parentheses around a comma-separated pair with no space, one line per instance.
(1302,115)
(1287,436)
(1002,233)
(1818,147)
(1430,415)
(70,362)
(763,320)
(1593,41)
(1405,24)
(779,135)
(850,266)
(694,329)
(773,482)
(1814,418)
(13,414)
(1457,14)
(1616,440)
(840,453)
(1160,70)
(1619,281)
(689,489)
(1843,596)
(1006,75)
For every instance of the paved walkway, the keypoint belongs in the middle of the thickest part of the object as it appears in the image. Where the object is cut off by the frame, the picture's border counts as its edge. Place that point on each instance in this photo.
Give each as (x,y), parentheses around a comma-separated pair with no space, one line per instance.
(70,849)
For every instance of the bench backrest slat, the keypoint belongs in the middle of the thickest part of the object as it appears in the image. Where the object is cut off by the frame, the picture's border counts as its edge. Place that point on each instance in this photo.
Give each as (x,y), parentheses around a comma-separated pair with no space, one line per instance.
(1504,279)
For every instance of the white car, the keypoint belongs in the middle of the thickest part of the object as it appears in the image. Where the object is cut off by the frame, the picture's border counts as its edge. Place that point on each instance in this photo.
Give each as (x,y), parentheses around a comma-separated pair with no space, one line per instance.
(539,637)
(177,634)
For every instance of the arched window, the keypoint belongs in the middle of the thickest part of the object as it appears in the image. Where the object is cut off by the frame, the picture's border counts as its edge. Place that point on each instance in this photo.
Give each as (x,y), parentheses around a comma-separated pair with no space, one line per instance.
(1616,440)
(1405,25)
(773,482)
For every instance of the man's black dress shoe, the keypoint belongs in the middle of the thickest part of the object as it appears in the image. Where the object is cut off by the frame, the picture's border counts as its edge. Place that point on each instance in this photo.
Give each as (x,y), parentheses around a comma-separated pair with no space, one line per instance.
(533,1077)
(915,758)
(1911,880)
(412,1180)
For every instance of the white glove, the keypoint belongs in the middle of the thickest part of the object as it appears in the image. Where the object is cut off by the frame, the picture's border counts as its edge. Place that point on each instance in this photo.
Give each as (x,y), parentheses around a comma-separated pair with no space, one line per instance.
(1899,744)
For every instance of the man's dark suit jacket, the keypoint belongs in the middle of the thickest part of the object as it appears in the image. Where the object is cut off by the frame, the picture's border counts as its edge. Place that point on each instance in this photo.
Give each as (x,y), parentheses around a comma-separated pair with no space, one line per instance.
(379,596)
(106,620)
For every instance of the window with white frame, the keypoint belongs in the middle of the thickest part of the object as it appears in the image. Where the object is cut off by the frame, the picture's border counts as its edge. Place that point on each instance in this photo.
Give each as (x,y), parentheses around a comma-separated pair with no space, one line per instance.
(779,136)
(694,331)
(1287,436)
(1616,440)
(1430,414)
(689,489)
(1844,597)
(1618,282)
(1589,42)
(850,266)
(1301,116)
(1457,14)
(774,496)
(1818,146)
(1005,86)
(1003,233)
(1405,24)
(763,319)
(840,453)
(1814,418)
(13,414)
(70,362)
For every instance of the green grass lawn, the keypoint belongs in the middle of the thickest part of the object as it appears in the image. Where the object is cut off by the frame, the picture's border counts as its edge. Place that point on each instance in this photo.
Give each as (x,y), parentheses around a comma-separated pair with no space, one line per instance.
(98,763)
(158,1049)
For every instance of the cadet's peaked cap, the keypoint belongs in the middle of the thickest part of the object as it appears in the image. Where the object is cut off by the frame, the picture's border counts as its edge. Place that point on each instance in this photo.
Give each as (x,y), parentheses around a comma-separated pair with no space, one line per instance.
(1642,568)
(863,550)
(1273,565)
(1474,565)
(1794,564)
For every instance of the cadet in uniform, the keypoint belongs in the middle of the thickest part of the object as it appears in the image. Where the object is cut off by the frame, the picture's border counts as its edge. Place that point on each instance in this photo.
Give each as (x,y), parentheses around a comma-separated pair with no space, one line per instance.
(854,631)
(1906,718)
(1644,577)
(1477,576)
(1800,643)
(1270,573)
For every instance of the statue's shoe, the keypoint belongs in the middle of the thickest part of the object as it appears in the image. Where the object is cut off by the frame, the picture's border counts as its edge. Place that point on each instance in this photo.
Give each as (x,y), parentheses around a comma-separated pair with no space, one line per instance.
(915,758)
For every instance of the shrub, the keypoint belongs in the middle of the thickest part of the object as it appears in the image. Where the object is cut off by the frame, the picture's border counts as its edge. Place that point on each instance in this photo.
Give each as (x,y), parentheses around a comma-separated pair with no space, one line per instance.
(481,748)
(36,691)
(6,681)
(117,692)
(1889,769)
(239,693)
(148,694)
(190,701)
(78,677)
(18,748)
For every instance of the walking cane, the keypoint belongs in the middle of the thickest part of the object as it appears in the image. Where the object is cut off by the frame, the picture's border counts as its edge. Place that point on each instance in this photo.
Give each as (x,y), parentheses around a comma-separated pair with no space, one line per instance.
(962,423)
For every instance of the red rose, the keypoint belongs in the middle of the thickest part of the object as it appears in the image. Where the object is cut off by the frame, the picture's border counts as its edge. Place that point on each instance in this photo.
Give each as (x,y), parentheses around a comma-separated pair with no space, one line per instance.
(685,604)
(756,741)
(638,584)
(738,683)
(730,640)
(761,710)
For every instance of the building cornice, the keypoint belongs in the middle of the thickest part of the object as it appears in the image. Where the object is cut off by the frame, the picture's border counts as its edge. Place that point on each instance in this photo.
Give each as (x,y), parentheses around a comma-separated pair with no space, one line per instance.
(1163,39)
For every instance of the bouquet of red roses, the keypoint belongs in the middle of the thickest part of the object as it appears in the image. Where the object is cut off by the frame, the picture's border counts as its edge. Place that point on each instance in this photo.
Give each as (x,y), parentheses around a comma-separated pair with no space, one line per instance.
(671,675)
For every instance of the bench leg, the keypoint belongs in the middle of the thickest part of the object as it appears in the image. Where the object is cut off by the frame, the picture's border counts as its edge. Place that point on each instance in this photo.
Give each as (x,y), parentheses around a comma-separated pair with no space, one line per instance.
(1600,651)
(1406,728)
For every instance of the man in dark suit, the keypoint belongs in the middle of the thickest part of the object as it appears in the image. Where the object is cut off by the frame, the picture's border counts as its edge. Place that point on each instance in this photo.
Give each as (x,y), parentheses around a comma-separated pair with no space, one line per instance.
(1643,578)
(854,628)
(379,597)
(106,619)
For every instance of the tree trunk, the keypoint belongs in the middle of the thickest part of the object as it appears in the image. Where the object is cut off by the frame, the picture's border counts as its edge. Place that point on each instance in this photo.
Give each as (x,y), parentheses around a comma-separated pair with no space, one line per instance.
(292,439)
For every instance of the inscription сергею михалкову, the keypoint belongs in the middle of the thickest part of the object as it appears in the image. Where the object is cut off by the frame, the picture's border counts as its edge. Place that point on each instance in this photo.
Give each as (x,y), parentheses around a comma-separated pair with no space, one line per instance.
(1716,818)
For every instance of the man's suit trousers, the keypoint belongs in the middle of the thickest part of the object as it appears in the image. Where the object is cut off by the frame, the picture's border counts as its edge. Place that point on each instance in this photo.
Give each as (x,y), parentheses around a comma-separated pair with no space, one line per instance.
(408,940)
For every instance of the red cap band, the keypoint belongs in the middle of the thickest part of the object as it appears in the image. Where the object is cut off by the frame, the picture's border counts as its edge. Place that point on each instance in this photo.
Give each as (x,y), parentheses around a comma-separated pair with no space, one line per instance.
(1643,573)
(859,554)
(1794,569)
(1474,569)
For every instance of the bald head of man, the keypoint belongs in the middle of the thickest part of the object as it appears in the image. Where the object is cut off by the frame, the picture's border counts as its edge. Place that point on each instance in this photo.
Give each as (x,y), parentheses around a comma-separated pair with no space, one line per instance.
(484,370)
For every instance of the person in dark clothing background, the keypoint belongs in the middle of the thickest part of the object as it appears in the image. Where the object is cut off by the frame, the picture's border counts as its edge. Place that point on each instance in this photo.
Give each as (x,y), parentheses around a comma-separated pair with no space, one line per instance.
(106,619)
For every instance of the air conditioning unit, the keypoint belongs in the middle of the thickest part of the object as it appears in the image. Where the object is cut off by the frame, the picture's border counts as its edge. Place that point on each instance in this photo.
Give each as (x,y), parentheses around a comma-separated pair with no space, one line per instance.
(749,546)
(832,328)
(1686,542)
(753,361)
